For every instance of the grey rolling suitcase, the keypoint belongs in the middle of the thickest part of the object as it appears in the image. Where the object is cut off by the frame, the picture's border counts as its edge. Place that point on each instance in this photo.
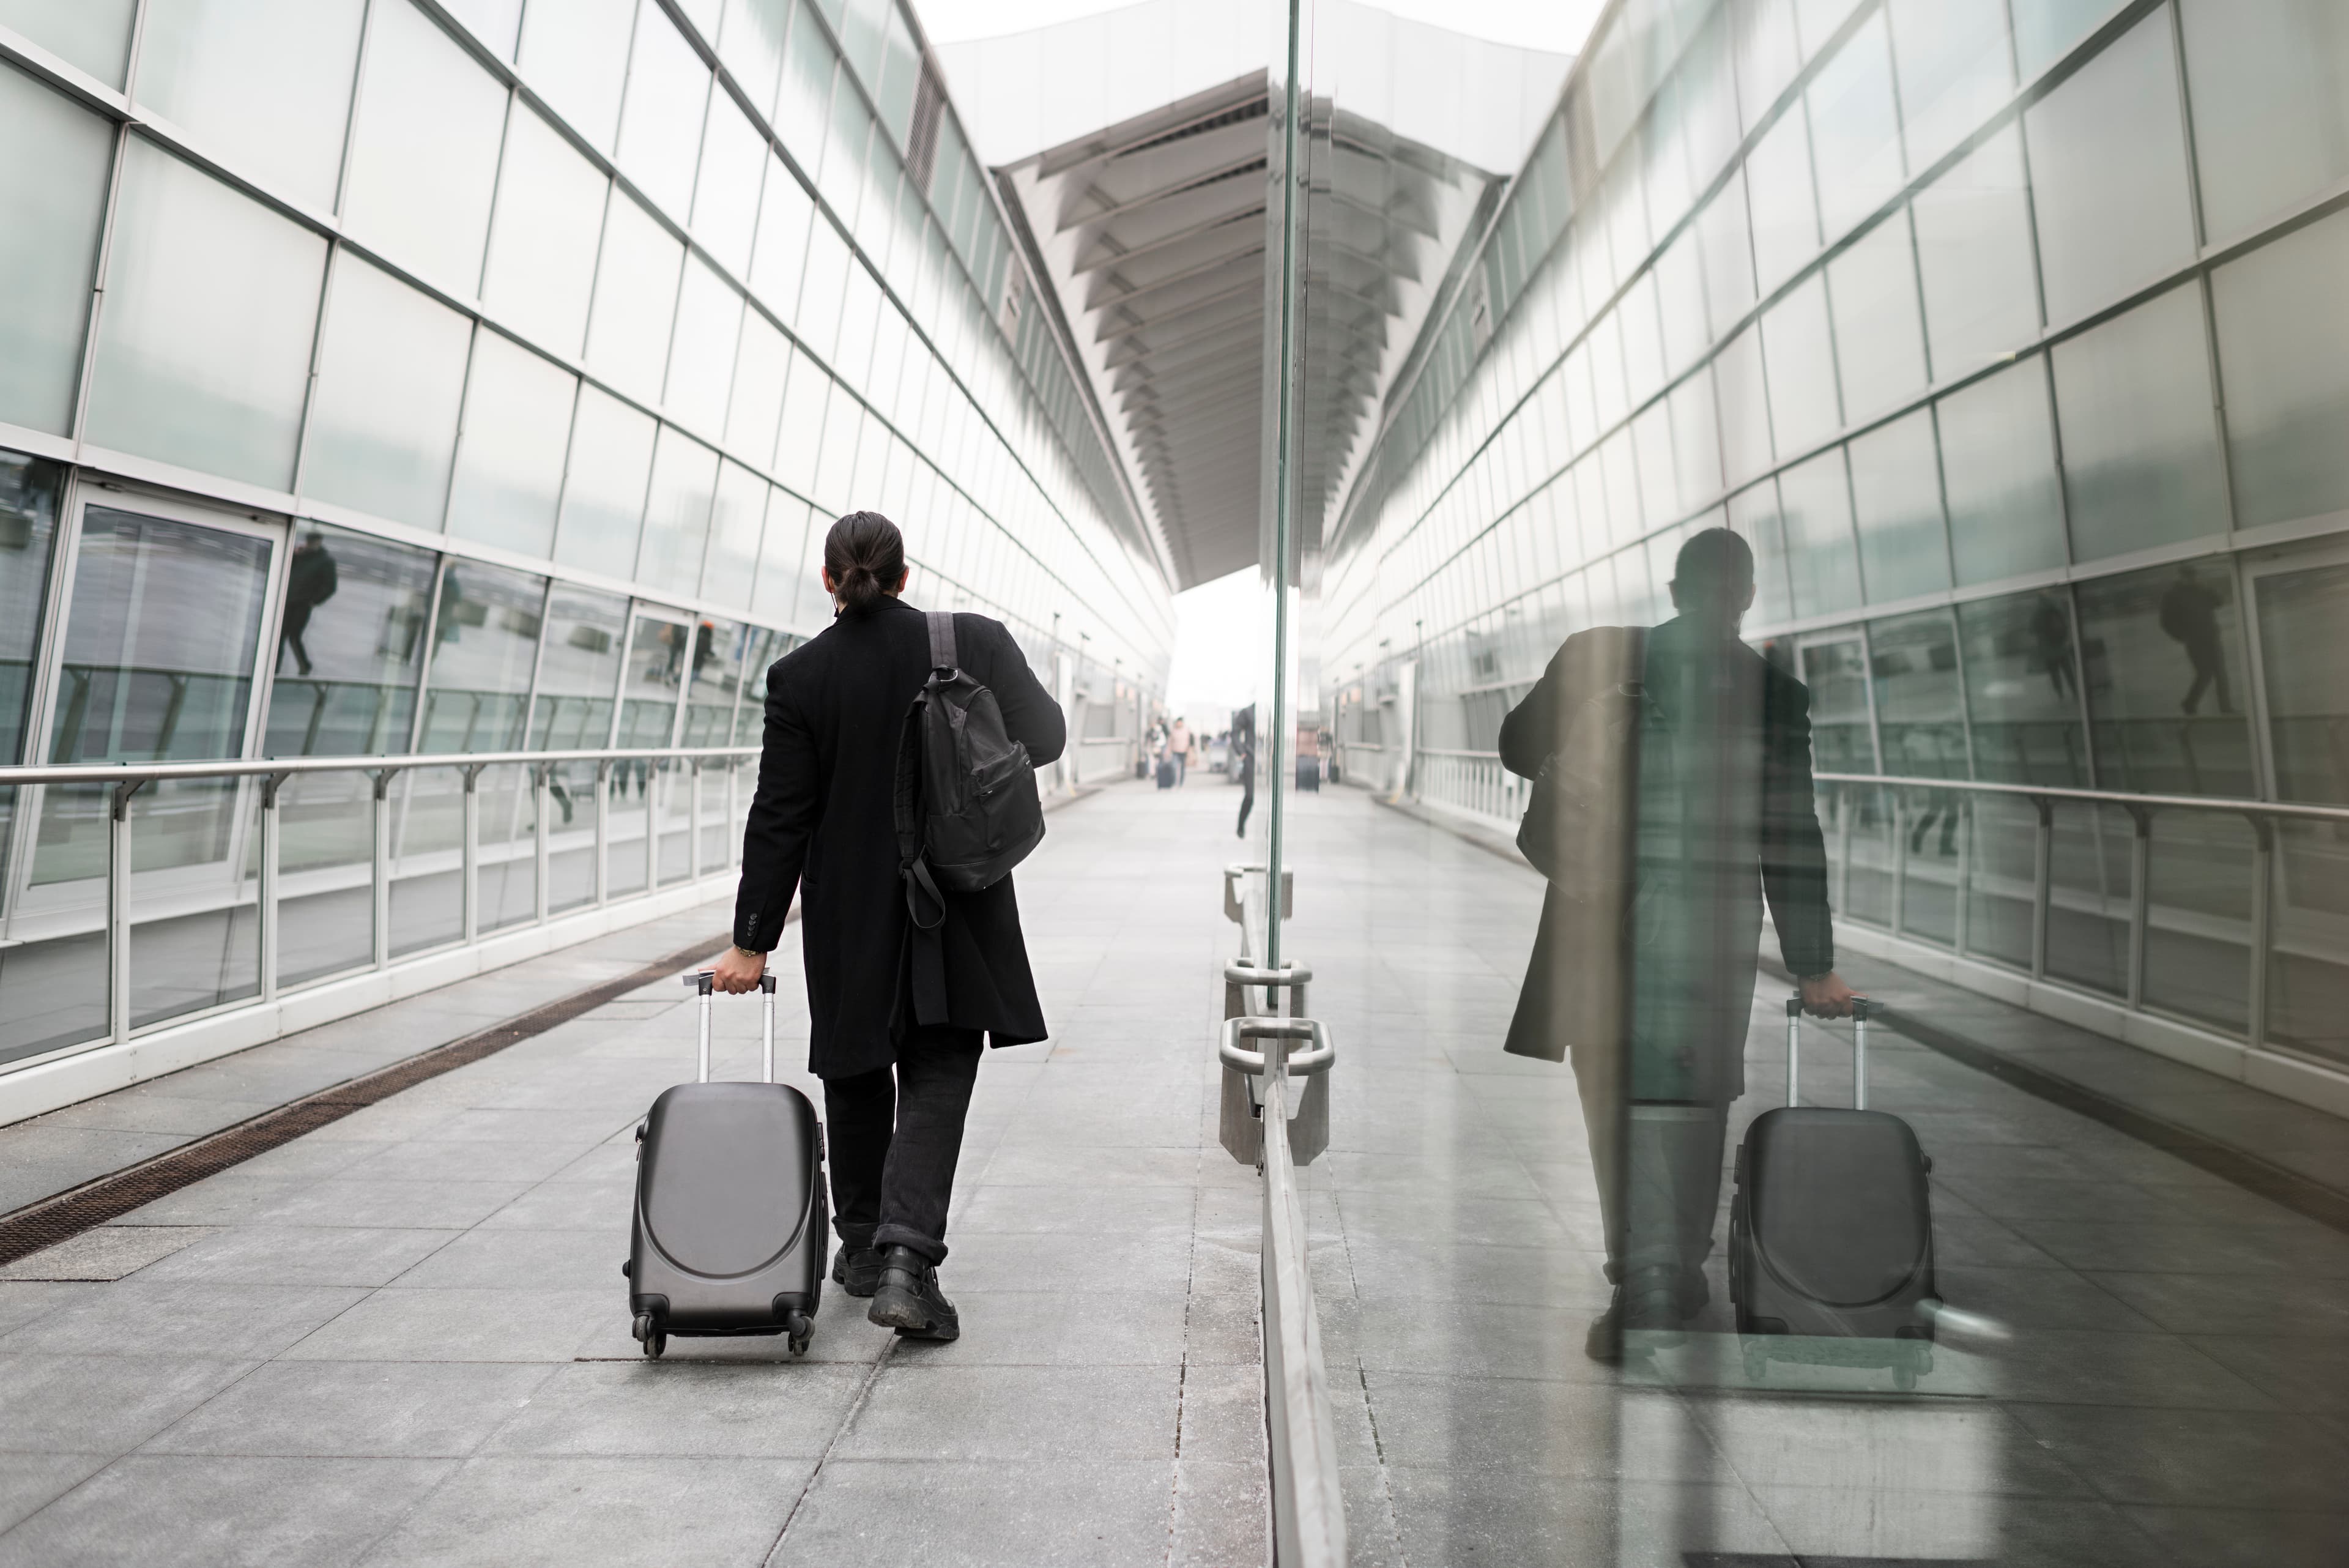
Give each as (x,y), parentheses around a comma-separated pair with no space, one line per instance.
(1831,1232)
(731,1218)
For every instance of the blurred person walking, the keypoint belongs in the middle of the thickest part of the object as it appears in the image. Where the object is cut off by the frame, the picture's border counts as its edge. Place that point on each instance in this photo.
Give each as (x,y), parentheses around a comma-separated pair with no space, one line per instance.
(896,1012)
(2189,616)
(1178,747)
(1672,796)
(1243,761)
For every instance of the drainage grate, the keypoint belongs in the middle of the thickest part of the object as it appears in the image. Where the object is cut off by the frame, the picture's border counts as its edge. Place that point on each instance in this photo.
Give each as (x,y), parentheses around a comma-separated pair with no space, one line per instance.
(68,1214)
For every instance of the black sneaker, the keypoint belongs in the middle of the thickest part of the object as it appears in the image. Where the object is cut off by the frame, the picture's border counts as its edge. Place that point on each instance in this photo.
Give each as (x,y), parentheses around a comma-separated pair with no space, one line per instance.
(856,1269)
(909,1301)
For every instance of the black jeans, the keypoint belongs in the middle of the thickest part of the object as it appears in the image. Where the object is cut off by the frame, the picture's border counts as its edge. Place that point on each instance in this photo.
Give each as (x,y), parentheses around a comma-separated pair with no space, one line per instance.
(894,1134)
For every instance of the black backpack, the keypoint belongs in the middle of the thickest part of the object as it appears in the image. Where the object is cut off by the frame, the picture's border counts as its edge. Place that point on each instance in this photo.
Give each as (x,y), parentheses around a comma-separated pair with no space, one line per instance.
(966,799)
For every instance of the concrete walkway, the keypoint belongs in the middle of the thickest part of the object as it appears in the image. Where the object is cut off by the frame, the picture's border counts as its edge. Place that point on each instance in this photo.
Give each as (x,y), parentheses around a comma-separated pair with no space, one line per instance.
(403,1338)
(2166,1383)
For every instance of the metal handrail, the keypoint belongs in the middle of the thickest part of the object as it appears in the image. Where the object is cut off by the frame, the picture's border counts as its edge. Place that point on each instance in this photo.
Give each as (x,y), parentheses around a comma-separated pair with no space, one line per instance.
(1456,751)
(2100,796)
(2260,815)
(124,781)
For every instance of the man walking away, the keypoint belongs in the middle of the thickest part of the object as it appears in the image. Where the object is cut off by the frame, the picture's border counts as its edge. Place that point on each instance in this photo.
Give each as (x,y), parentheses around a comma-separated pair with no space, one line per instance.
(1683,762)
(310,581)
(1178,746)
(2189,615)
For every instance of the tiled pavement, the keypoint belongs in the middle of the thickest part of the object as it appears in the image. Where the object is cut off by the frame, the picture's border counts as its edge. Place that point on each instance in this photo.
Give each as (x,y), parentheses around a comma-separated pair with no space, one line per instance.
(2163,1378)
(403,1338)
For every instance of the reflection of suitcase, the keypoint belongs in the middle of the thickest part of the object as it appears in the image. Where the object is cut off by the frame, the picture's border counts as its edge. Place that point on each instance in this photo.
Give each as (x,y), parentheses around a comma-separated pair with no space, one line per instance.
(1831,1233)
(731,1220)
(1165,772)
(1308,773)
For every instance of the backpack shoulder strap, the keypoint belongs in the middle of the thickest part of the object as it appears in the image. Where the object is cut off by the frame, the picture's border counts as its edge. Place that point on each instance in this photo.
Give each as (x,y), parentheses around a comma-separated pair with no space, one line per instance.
(942,639)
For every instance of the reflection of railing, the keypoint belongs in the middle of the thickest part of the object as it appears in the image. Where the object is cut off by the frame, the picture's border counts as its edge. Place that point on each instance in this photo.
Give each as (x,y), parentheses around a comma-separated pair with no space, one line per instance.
(122,783)
(1920,835)
(1473,783)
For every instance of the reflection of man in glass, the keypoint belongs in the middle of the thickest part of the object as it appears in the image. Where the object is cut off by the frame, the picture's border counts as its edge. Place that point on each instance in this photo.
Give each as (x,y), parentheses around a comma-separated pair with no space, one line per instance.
(2189,615)
(310,581)
(1239,757)
(1673,796)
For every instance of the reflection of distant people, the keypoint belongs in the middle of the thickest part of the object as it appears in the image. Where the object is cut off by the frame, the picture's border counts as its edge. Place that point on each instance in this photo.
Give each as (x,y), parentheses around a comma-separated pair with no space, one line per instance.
(2189,615)
(2051,633)
(1672,797)
(310,581)
(1241,759)
(1178,746)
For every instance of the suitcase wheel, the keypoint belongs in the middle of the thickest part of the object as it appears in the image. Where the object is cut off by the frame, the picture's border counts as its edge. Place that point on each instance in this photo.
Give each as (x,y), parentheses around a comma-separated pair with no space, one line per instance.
(801,1329)
(651,1338)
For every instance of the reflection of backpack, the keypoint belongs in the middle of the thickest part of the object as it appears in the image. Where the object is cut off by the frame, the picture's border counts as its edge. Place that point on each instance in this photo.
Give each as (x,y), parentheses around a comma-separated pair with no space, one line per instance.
(965,800)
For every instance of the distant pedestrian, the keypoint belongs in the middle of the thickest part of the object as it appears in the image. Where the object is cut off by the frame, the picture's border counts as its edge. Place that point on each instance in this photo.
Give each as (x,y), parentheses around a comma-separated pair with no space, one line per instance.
(1243,761)
(2189,615)
(1178,747)
(310,581)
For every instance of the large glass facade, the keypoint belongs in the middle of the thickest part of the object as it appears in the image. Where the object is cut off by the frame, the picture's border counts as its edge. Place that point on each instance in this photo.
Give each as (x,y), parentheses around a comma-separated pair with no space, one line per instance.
(496,398)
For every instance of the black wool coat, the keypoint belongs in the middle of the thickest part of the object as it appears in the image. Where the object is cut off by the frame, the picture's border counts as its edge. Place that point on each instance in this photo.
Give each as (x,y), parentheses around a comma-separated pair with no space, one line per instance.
(822,823)
(1724,818)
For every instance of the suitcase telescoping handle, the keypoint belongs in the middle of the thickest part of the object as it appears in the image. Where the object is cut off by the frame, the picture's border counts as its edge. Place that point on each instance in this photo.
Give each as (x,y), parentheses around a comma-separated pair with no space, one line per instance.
(704,983)
(1860,1008)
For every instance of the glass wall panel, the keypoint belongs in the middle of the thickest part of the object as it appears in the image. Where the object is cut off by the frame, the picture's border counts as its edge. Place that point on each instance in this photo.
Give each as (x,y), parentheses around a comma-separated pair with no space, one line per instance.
(203,346)
(603,488)
(726,196)
(580,669)
(1754,515)
(2303,649)
(53,184)
(2268,82)
(701,356)
(1727,252)
(785,210)
(350,643)
(660,123)
(1896,487)
(484,647)
(1879,335)
(750,43)
(635,300)
(676,514)
(424,149)
(736,517)
(1973,257)
(1998,470)
(267,83)
(541,263)
(1822,565)
(804,106)
(761,364)
(509,480)
(1919,702)
(2140,443)
(494,22)
(391,380)
(782,551)
(1799,347)
(2091,889)
(1779,195)
(2108,173)
(576,57)
(1837,673)
(1954,69)
(2283,362)
(1855,130)
(2002,860)
(93,36)
(2167,686)
(1744,406)
(29,493)
(2023,689)
(2197,953)
(651,682)
(719,650)
(2045,30)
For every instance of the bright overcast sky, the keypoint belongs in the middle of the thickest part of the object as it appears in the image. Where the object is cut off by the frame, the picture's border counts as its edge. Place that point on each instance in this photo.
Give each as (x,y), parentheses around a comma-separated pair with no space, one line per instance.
(1555,25)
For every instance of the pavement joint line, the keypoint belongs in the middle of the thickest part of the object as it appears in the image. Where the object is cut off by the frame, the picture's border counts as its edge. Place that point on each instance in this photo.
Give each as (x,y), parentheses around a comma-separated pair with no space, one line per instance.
(847,1418)
(63,1215)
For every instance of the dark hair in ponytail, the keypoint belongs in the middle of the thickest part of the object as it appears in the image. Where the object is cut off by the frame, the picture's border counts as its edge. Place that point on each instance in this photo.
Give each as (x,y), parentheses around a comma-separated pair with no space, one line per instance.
(866,556)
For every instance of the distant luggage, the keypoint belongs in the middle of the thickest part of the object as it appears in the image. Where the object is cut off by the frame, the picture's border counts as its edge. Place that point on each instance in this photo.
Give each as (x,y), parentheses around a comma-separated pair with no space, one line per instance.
(1165,772)
(1831,1232)
(1141,767)
(732,1221)
(1309,773)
